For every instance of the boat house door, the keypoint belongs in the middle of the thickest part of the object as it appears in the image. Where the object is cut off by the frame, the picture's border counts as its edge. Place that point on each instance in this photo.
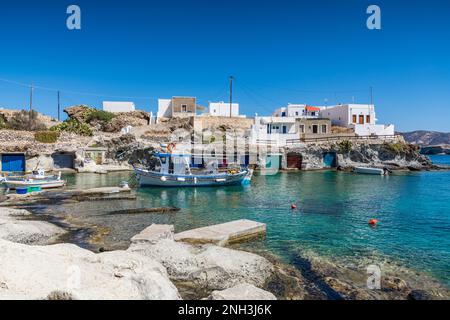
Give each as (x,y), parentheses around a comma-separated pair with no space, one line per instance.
(329,159)
(294,161)
(13,163)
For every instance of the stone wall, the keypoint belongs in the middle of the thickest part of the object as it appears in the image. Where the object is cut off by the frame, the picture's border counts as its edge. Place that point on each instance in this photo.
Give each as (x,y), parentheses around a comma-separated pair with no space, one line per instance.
(206,122)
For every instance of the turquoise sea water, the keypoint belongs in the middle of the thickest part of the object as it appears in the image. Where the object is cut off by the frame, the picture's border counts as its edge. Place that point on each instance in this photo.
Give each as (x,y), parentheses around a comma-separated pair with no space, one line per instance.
(334,208)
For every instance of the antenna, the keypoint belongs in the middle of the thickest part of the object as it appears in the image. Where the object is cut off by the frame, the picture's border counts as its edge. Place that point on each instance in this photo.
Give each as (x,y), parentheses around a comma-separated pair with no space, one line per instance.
(31,97)
(231,93)
(371,95)
(59,107)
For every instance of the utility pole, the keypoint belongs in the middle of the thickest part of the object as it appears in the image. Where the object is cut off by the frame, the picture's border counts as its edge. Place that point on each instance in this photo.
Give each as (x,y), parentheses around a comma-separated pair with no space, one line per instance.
(31,97)
(231,93)
(59,107)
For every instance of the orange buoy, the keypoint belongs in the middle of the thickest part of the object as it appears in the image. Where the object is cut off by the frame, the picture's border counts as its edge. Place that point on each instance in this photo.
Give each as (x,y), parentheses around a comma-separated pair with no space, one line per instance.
(373,222)
(293,206)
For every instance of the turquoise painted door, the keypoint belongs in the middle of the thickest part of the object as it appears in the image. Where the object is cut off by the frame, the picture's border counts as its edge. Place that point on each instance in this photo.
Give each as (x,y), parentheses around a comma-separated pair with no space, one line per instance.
(329,159)
(13,162)
(273,162)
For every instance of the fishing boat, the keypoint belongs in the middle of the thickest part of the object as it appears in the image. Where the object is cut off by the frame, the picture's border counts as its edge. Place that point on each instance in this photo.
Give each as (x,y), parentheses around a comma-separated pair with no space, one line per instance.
(34,180)
(368,170)
(175,170)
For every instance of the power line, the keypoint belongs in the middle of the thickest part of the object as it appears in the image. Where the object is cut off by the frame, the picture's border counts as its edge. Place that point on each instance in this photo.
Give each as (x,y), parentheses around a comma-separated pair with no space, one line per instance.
(75,92)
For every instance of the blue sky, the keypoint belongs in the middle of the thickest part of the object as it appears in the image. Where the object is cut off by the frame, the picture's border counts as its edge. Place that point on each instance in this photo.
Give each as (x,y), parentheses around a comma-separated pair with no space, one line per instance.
(279,52)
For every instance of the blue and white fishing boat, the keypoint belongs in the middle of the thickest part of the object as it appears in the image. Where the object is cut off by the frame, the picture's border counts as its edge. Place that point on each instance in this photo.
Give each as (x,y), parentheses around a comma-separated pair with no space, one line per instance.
(175,170)
(36,179)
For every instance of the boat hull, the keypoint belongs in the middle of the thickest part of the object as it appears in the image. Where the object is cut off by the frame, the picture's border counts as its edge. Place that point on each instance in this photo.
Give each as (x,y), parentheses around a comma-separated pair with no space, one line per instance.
(150,178)
(374,171)
(43,184)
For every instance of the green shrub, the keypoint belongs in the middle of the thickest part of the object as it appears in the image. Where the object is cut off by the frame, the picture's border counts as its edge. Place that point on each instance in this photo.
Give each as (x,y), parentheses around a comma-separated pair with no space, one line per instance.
(46,136)
(394,147)
(100,115)
(3,124)
(26,120)
(399,147)
(74,126)
(345,146)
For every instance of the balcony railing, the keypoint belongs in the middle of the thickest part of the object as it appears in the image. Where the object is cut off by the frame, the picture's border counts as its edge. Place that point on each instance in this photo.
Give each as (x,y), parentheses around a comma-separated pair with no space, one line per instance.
(337,138)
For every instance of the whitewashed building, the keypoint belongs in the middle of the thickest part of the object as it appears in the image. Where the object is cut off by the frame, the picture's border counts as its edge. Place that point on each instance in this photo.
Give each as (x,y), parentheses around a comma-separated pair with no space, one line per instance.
(297,111)
(274,130)
(360,117)
(118,106)
(222,109)
(177,107)
(164,108)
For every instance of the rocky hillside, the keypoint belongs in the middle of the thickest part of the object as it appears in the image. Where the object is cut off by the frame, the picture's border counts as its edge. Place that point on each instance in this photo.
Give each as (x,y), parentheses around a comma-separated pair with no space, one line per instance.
(106,121)
(427,138)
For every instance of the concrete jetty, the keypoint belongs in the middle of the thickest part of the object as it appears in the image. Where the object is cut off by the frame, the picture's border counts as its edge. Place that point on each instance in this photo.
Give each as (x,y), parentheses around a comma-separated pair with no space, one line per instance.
(223,234)
(49,196)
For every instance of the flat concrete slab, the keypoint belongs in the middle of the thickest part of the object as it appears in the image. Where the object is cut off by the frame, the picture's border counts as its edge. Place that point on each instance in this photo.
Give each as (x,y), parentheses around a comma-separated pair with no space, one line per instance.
(103,190)
(154,233)
(223,234)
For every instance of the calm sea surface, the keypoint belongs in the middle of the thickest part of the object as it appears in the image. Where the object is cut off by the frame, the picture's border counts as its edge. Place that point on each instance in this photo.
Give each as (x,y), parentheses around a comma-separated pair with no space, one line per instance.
(334,208)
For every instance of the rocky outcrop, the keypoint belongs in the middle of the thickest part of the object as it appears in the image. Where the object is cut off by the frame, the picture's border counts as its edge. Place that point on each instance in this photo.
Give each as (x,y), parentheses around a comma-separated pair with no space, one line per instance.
(14,228)
(65,271)
(207,266)
(348,279)
(242,291)
(124,119)
(392,155)
(431,150)
(119,121)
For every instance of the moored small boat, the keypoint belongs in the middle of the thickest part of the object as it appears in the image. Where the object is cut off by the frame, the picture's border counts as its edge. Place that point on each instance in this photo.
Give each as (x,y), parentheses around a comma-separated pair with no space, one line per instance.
(40,181)
(369,170)
(174,170)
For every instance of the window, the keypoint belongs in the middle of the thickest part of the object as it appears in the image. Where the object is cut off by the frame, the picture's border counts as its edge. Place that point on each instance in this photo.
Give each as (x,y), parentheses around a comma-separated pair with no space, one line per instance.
(361,119)
(324,128)
(315,128)
(296,113)
(368,119)
(183,108)
(283,114)
(354,118)
(302,128)
(284,129)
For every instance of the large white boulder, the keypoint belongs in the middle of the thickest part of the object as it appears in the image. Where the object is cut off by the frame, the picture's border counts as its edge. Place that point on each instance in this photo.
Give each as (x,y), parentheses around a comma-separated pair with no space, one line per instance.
(66,271)
(242,291)
(207,266)
(15,229)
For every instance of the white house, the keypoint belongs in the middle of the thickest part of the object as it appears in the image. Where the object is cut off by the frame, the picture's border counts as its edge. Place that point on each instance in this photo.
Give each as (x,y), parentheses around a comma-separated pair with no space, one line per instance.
(164,108)
(177,107)
(275,130)
(118,106)
(360,117)
(297,111)
(222,109)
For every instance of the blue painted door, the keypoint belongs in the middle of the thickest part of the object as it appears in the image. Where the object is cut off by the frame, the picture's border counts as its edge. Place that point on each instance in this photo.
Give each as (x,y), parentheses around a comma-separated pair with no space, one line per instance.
(329,159)
(13,162)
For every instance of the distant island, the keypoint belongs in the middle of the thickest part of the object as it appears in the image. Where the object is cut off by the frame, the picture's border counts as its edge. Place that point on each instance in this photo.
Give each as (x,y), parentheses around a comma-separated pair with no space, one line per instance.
(431,142)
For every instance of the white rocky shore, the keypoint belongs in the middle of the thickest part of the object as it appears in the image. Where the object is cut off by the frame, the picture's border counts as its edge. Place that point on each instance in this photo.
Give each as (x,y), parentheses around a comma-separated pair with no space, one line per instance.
(32,268)
(15,228)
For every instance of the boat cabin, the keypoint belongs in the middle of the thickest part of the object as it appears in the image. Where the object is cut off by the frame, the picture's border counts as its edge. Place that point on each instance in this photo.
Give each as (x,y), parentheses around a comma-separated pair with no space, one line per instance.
(174,163)
(182,164)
